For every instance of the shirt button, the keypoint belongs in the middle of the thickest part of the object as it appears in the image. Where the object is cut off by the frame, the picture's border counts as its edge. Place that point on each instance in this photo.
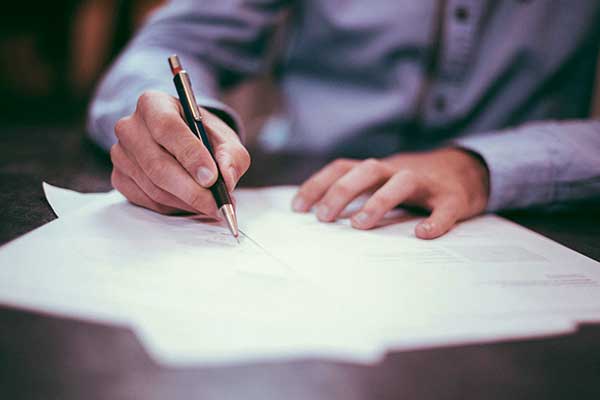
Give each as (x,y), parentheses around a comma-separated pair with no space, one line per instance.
(439,103)
(461,13)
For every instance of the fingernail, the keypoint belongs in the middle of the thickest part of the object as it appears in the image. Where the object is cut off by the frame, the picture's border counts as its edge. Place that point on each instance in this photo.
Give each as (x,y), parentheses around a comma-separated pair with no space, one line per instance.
(204,176)
(323,212)
(361,218)
(298,204)
(425,226)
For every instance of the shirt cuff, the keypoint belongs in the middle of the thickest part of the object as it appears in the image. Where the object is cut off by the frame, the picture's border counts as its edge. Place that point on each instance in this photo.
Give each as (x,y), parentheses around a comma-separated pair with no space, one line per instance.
(520,175)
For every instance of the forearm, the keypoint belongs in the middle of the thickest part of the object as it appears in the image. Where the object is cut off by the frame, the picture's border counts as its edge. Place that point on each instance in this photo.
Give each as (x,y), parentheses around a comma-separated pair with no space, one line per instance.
(540,163)
(140,69)
(218,43)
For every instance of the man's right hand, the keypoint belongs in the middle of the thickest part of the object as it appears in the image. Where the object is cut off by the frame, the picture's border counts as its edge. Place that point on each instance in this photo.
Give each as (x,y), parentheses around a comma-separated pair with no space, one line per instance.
(158,163)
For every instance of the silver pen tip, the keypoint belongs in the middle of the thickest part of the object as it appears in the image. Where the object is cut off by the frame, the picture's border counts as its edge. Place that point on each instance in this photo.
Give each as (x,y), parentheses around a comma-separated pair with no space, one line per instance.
(229,215)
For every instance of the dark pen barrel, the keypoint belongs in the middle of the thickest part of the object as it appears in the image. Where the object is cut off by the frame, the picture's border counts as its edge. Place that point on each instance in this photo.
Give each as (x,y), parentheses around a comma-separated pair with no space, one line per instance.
(218,189)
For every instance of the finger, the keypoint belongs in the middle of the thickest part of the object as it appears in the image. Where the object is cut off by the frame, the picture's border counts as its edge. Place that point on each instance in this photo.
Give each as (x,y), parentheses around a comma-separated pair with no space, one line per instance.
(161,167)
(134,194)
(358,180)
(396,190)
(315,187)
(161,116)
(232,157)
(124,163)
(443,217)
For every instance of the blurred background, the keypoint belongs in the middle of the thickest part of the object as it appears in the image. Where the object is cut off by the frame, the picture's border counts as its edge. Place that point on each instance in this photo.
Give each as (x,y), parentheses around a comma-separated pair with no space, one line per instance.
(54,52)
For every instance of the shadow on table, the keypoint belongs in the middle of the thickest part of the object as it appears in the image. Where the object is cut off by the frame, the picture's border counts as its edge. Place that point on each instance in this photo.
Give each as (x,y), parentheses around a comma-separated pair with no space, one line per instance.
(44,357)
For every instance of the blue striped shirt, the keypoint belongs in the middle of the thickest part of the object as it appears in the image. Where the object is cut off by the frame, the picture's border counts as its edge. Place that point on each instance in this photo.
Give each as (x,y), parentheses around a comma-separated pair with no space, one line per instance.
(509,80)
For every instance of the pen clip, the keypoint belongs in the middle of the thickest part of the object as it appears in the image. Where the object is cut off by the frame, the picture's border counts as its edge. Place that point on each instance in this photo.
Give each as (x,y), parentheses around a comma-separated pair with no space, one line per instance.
(189,95)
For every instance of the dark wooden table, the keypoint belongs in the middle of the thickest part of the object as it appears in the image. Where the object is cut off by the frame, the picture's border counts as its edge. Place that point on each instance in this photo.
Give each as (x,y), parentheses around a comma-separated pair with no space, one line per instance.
(44,357)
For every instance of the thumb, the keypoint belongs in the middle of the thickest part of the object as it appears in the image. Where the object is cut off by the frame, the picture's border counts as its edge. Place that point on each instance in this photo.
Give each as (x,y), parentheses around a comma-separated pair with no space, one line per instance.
(230,154)
(234,161)
(443,217)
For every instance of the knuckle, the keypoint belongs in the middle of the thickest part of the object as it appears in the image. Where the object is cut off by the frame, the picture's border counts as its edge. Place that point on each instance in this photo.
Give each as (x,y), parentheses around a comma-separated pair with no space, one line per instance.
(372,164)
(118,157)
(337,164)
(122,128)
(341,190)
(341,164)
(408,176)
(145,100)
(375,167)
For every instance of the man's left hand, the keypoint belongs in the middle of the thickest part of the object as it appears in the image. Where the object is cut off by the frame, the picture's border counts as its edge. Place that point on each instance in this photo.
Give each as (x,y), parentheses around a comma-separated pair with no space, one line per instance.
(452,183)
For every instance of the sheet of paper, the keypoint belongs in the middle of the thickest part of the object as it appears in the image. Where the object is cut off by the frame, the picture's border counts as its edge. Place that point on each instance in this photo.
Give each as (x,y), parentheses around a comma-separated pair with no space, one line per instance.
(293,287)
(171,278)
(486,265)
(65,201)
(468,244)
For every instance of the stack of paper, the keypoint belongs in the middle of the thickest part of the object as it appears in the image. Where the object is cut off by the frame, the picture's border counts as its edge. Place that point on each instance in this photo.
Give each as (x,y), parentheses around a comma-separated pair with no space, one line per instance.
(293,287)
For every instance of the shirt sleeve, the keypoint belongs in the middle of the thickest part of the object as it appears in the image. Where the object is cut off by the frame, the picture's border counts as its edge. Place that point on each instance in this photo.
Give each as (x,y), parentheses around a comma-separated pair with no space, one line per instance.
(218,42)
(540,163)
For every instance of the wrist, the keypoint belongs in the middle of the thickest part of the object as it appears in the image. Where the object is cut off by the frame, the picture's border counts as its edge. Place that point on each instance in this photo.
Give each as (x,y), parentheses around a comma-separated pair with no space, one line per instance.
(474,170)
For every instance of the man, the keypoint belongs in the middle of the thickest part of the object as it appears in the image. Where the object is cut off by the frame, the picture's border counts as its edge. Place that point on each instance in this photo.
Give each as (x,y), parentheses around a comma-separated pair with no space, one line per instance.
(433,98)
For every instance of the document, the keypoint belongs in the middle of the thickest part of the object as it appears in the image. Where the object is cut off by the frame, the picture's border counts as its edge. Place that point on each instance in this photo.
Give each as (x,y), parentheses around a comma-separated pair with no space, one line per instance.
(293,287)
(64,201)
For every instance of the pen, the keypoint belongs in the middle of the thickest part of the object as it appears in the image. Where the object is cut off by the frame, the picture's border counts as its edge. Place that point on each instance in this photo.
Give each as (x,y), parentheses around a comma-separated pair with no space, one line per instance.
(194,121)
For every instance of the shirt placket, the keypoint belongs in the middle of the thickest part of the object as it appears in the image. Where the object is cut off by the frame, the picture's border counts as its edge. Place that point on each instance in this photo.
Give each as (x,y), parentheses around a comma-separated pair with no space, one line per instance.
(458,39)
